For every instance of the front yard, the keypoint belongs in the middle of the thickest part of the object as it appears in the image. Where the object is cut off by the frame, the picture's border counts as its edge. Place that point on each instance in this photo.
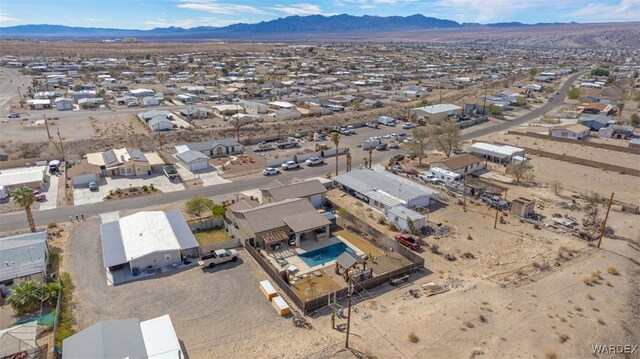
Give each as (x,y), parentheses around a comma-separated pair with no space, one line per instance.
(131,192)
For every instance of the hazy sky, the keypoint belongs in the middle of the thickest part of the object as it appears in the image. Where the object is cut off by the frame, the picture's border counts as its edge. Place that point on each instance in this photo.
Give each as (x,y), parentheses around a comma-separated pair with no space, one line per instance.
(146,14)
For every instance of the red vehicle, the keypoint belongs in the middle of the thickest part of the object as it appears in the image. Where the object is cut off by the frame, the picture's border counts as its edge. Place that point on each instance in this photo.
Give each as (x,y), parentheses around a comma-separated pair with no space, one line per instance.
(407,240)
(41,197)
(411,172)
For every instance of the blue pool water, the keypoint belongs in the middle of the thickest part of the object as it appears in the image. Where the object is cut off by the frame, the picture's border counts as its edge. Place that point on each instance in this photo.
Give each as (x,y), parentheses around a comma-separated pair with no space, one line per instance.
(325,254)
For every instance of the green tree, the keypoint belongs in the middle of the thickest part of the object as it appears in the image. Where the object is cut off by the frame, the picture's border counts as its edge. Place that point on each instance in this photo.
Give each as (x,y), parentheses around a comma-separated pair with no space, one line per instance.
(24,197)
(599,72)
(196,205)
(493,109)
(418,146)
(634,120)
(335,138)
(260,81)
(574,94)
(422,103)
(534,71)
(356,104)
(446,136)
(217,210)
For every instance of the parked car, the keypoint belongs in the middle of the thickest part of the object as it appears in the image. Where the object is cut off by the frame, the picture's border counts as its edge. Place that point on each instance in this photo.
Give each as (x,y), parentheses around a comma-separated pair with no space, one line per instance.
(381,147)
(218,257)
(290,165)
(14,115)
(411,172)
(398,157)
(41,197)
(371,124)
(408,125)
(93,186)
(494,201)
(270,171)
(344,131)
(429,177)
(314,161)
(408,139)
(458,151)
(397,169)
(407,240)
(351,129)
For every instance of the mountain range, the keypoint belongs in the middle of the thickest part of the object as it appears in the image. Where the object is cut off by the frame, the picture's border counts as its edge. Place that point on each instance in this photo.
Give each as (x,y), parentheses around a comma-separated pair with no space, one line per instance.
(283,27)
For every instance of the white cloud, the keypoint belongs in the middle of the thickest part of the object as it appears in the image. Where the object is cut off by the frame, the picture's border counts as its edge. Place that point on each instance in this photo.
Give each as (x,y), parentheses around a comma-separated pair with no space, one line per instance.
(189,23)
(7,18)
(299,9)
(625,10)
(218,8)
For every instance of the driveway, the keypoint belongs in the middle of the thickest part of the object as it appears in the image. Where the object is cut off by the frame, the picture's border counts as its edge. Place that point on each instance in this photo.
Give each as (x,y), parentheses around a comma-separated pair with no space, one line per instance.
(82,194)
(209,177)
(51,193)
(221,309)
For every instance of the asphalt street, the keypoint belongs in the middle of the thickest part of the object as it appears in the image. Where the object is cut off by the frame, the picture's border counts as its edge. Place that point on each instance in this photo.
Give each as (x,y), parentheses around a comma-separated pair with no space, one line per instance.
(18,220)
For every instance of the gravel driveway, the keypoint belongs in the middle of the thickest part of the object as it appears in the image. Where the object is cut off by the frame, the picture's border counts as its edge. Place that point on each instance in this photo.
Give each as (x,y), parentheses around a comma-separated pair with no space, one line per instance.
(213,311)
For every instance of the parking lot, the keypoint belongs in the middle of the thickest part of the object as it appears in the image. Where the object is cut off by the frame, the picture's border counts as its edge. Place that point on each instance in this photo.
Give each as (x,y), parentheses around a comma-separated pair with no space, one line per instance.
(203,304)
(82,194)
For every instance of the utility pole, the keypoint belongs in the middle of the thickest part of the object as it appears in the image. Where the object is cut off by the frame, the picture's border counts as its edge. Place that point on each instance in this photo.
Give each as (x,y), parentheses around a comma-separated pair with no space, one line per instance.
(495,223)
(20,96)
(606,217)
(464,204)
(333,313)
(64,159)
(484,100)
(346,345)
(370,155)
(46,124)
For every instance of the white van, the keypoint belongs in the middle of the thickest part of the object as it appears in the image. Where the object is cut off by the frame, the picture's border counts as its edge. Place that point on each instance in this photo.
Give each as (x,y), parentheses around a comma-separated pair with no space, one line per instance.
(387,121)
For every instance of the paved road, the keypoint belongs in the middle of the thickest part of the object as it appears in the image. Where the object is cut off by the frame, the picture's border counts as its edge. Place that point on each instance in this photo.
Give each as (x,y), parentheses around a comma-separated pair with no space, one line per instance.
(557,101)
(18,220)
(10,88)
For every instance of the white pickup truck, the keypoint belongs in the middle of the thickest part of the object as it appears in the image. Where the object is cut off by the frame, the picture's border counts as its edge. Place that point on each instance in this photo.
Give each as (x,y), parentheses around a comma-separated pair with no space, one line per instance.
(218,257)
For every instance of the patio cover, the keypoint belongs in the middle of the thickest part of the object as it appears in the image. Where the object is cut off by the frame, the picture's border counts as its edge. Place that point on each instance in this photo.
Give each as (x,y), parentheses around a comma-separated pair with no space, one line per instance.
(275,237)
(18,339)
(308,221)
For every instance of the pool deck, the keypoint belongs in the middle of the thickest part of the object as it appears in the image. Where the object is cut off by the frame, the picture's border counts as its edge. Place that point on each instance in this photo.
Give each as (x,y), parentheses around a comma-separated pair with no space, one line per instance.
(291,254)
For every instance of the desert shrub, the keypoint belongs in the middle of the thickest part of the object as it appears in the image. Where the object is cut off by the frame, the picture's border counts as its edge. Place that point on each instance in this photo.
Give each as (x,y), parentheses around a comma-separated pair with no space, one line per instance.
(435,249)
(450,256)
(588,281)
(613,270)
(550,354)
(52,225)
(468,255)
(563,337)
(413,338)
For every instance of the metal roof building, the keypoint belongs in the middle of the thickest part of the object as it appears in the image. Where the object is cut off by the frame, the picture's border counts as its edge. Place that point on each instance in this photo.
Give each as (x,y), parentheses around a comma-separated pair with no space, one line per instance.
(384,190)
(147,239)
(125,338)
(23,256)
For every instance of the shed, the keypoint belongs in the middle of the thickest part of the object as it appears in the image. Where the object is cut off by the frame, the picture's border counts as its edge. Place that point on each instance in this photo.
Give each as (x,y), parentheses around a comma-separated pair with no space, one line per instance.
(347,262)
(267,289)
(522,207)
(407,219)
(19,339)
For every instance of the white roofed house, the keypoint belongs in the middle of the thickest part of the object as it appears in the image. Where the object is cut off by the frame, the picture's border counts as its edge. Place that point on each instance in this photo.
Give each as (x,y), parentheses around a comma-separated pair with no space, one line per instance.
(140,93)
(436,113)
(194,160)
(160,123)
(23,257)
(574,132)
(147,241)
(39,104)
(125,338)
(63,104)
(496,153)
(213,148)
(287,114)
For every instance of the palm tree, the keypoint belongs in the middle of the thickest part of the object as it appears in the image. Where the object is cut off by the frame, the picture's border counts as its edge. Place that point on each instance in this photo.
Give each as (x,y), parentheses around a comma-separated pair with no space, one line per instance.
(25,198)
(25,296)
(335,138)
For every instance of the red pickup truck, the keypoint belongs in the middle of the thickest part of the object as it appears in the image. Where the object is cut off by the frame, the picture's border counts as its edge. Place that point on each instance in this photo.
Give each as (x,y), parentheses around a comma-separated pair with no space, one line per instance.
(407,240)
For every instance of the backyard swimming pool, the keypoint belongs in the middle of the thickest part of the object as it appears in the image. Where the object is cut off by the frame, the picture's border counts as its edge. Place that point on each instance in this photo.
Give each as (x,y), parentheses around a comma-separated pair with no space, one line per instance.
(325,254)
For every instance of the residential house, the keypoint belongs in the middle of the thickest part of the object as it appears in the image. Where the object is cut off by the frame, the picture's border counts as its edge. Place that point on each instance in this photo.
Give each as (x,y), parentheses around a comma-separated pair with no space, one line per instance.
(84,173)
(273,223)
(23,257)
(125,338)
(151,101)
(597,108)
(187,98)
(148,115)
(160,123)
(278,105)
(194,160)
(91,102)
(406,219)
(121,162)
(286,114)
(31,177)
(41,104)
(617,131)
(63,104)
(594,122)
(574,132)
(434,114)
(213,148)
(254,107)
(141,93)
(195,112)
(154,240)
(461,164)
(496,153)
(313,190)
(384,190)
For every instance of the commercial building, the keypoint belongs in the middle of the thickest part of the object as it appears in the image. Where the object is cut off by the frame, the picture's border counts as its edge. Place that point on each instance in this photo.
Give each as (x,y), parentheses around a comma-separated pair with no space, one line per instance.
(435,113)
